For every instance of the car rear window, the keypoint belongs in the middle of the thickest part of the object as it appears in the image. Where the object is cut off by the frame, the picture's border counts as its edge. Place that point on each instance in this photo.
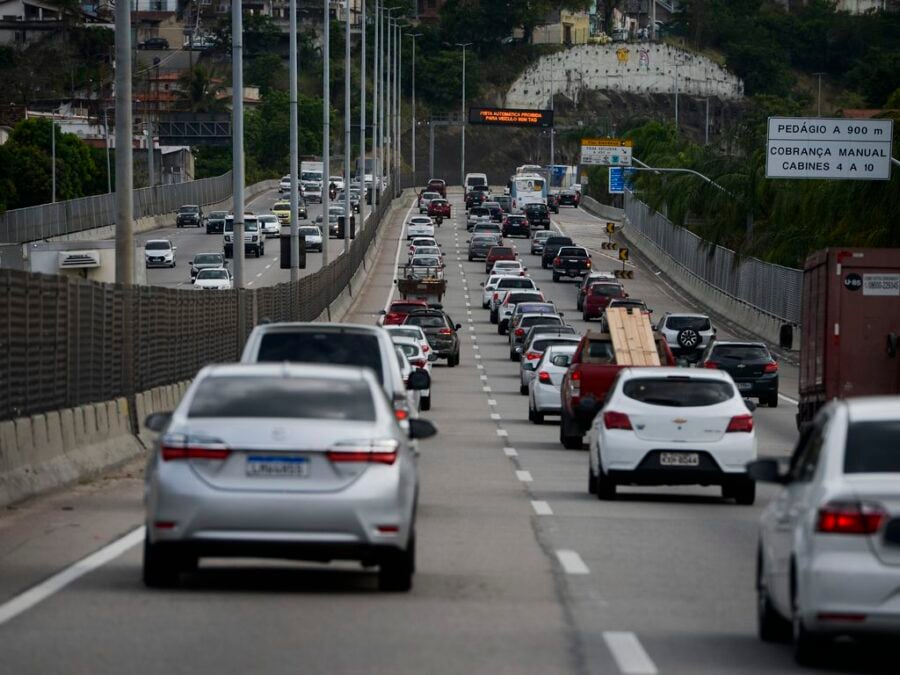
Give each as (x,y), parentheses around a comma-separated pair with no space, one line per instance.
(539,321)
(409,350)
(426,321)
(515,298)
(873,447)
(332,347)
(741,352)
(699,323)
(501,250)
(573,252)
(208,259)
(561,360)
(405,307)
(559,241)
(479,211)
(515,283)
(283,397)
(542,344)
(608,290)
(406,332)
(678,392)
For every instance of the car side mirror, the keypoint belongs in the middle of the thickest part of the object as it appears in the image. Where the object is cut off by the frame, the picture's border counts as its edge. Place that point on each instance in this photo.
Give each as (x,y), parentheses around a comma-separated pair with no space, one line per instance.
(751,405)
(157,421)
(482,284)
(420,429)
(418,380)
(766,471)
(518,350)
(457,326)
(382,312)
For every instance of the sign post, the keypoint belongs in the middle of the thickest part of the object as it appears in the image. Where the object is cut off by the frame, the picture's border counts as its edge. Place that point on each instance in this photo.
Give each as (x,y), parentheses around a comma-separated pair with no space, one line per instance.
(838,148)
(623,273)
(609,245)
(606,151)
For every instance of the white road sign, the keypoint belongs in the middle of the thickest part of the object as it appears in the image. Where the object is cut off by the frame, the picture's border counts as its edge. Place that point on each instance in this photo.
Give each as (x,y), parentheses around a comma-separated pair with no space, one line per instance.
(606,151)
(816,147)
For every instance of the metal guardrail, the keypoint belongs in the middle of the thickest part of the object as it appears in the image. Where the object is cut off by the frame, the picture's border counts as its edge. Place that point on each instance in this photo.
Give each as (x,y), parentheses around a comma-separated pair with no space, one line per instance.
(34,223)
(66,341)
(770,288)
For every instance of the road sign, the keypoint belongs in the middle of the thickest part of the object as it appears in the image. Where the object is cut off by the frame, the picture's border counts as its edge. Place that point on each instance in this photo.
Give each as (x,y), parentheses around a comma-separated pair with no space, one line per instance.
(835,148)
(606,151)
(610,228)
(511,117)
(623,254)
(620,178)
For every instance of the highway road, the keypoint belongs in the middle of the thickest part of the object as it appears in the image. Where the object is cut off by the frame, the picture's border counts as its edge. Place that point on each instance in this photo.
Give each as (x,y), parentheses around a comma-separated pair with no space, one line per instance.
(520,570)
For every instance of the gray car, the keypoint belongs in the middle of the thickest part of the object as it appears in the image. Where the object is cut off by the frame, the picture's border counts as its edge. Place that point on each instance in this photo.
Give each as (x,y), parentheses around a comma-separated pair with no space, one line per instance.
(303,462)
(480,244)
(203,261)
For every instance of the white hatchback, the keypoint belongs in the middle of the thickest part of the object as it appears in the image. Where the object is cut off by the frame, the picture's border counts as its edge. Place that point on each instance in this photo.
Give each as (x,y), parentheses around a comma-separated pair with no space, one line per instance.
(829,543)
(543,390)
(419,226)
(269,224)
(673,426)
(213,279)
(509,267)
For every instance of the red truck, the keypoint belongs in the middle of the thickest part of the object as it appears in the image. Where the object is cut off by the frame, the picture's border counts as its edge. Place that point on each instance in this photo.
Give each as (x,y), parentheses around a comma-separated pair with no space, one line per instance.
(851,326)
(589,377)
(439,208)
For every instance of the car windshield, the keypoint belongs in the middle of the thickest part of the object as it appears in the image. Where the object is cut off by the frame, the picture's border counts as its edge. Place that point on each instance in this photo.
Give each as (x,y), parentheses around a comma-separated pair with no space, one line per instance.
(268,219)
(699,323)
(283,397)
(334,347)
(428,250)
(426,261)
(543,234)
(212,274)
(678,392)
(430,195)
(741,352)
(409,350)
(208,259)
(157,246)
(189,209)
(217,214)
(426,320)
(559,241)
(873,447)
(309,231)
(406,332)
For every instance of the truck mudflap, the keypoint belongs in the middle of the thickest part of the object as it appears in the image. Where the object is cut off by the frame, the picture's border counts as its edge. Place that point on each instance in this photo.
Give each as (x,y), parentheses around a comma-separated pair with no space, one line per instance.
(571,436)
(585,411)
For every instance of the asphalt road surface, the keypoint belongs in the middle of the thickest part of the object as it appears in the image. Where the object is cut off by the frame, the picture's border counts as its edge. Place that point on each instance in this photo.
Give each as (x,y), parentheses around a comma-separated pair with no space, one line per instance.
(520,570)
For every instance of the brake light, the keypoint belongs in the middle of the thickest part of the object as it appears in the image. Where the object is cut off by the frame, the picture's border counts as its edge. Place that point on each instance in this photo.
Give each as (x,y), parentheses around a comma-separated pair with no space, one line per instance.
(711,365)
(531,356)
(520,332)
(847,517)
(575,384)
(740,423)
(770,367)
(376,452)
(445,331)
(425,349)
(175,450)
(544,377)
(588,264)
(496,295)
(616,420)
(400,413)
(420,363)
(557,261)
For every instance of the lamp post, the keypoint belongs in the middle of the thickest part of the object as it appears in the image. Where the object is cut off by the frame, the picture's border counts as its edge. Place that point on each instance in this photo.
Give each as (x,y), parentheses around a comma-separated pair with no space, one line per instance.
(362,113)
(295,145)
(53,158)
(819,95)
(124,182)
(398,77)
(462,151)
(326,131)
(376,109)
(237,145)
(346,229)
(413,146)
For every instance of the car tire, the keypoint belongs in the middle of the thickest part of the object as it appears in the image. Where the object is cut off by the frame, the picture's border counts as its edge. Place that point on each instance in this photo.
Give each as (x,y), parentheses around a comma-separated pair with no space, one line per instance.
(569,441)
(160,570)
(770,625)
(592,482)
(584,316)
(500,330)
(606,487)
(535,416)
(425,403)
(543,264)
(513,356)
(742,491)
(523,389)
(579,306)
(396,569)
(470,260)
(809,648)
(771,401)
(495,317)
(555,278)
(485,305)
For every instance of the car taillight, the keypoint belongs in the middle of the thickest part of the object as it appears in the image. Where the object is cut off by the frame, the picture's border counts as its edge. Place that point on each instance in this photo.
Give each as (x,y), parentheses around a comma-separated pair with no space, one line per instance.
(544,377)
(401,413)
(556,261)
(588,264)
(531,356)
(374,452)
(770,367)
(616,420)
(175,448)
(520,332)
(849,517)
(420,363)
(425,349)
(575,383)
(445,331)
(496,295)
(740,423)
(712,365)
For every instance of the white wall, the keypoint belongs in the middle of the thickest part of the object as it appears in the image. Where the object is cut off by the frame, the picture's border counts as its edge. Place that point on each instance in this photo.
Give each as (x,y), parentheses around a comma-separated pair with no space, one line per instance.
(600,67)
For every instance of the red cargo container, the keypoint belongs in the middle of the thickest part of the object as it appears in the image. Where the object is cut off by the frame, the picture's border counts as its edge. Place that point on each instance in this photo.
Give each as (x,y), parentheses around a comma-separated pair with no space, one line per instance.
(851,324)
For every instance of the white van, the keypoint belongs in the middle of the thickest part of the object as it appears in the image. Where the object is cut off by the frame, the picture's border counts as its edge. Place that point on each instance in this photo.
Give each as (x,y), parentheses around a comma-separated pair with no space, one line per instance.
(473,179)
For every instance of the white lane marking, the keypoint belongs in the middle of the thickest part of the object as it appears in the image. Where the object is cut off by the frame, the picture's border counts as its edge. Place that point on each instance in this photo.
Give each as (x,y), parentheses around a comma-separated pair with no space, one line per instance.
(484,377)
(249,283)
(629,653)
(510,452)
(495,416)
(259,275)
(469,312)
(25,601)
(524,476)
(790,400)
(479,366)
(474,346)
(472,328)
(466,297)
(485,389)
(269,266)
(502,433)
(541,508)
(478,356)
(400,241)
(492,401)
(571,562)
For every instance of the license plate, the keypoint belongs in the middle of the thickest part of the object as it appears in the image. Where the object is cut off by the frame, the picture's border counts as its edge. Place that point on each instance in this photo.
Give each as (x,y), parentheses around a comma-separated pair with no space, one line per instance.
(744,386)
(679,459)
(572,273)
(268,466)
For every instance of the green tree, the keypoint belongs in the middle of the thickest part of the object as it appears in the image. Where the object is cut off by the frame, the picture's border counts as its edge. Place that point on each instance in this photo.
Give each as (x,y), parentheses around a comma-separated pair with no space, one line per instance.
(267,72)
(198,91)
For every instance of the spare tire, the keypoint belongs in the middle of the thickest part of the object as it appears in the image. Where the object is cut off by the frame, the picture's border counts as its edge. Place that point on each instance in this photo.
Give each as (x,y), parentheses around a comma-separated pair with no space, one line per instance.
(688,339)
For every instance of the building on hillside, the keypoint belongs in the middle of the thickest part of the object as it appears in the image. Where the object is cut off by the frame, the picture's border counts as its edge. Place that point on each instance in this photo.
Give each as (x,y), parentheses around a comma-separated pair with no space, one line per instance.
(23,22)
(429,10)
(851,6)
(562,27)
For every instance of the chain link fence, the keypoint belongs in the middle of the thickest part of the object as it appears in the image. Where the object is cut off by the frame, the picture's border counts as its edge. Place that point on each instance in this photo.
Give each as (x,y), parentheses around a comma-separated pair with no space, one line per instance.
(66,341)
(770,288)
(51,220)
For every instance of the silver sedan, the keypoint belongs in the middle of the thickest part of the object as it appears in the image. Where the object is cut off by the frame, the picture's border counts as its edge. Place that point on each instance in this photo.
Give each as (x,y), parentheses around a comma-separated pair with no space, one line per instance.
(289,461)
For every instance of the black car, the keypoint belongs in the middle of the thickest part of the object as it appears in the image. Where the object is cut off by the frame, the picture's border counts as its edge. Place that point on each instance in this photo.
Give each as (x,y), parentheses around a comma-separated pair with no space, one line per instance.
(215,222)
(155,43)
(515,224)
(553,202)
(475,198)
(571,261)
(750,365)
(189,214)
(441,332)
(551,248)
(495,210)
(568,198)
(538,216)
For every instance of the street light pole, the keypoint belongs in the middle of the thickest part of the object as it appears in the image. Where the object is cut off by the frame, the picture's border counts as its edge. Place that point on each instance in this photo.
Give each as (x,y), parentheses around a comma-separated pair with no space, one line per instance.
(398,76)
(124,183)
(326,131)
(362,115)
(462,150)
(819,95)
(237,143)
(376,108)
(295,145)
(106,128)
(347,128)
(53,158)
(389,98)
(413,146)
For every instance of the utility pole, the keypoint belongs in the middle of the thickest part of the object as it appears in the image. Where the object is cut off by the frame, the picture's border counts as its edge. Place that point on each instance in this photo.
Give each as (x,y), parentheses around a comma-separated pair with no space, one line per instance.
(53,158)
(706,135)
(389,103)
(376,110)
(295,145)
(819,95)
(151,170)
(676,96)
(362,115)
(124,197)
(347,128)
(413,146)
(106,128)
(237,144)
(397,120)
(326,131)
(552,83)
(463,121)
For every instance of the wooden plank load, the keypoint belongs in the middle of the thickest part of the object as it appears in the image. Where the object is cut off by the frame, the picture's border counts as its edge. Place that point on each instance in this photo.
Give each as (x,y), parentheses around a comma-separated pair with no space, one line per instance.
(632,337)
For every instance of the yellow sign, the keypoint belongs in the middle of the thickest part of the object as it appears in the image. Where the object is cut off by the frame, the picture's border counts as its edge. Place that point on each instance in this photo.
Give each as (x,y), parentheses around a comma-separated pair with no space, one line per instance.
(610,228)
(623,254)
(607,142)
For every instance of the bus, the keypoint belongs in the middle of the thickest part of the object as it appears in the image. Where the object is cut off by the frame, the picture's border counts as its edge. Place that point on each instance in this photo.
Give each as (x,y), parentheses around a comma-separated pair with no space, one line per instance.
(527,188)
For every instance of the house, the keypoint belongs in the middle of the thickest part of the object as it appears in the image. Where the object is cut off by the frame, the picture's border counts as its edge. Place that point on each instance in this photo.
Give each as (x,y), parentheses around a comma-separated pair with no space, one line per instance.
(23,22)
(563,27)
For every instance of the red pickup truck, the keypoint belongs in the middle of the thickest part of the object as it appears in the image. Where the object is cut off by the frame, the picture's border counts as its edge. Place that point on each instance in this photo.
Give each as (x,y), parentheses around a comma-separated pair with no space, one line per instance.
(439,208)
(587,381)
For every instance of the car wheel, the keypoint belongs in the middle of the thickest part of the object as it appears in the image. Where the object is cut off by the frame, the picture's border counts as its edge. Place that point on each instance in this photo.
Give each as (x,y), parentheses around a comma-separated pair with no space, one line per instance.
(592,482)
(485,305)
(579,306)
(606,486)
(396,569)
(584,316)
(771,401)
(513,356)
(569,441)
(425,403)
(808,647)
(523,389)
(743,491)
(160,570)
(500,329)
(555,278)
(537,417)
(470,260)
(543,265)
(770,625)
(495,317)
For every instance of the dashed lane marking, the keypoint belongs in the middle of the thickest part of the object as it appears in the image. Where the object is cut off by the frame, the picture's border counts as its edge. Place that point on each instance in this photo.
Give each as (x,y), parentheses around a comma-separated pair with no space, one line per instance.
(571,562)
(524,476)
(495,416)
(502,433)
(541,508)
(492,401)
(629,653)
(510,452)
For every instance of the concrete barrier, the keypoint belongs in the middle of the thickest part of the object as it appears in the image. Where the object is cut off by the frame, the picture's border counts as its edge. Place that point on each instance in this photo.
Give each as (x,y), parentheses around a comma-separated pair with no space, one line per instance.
(604,211)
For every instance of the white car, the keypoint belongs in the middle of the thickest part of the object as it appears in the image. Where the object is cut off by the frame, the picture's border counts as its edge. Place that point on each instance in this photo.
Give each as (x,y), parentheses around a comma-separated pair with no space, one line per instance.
(213,279)
(417,358)
(424,266)
(506,284)
(543,390)
(673,426)
(337,181)
(425,250)
(284,184)
(422,241)
(313,236)
(413,396)
(509,267)
(487,289)
(159,253)
(533,351)
(425,200)
(829,545)
(411,331)
(686,334)
(419,226)
(270,225)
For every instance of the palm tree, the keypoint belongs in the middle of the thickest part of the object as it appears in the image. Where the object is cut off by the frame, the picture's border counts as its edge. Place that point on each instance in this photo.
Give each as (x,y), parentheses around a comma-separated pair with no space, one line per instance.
(200,93)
